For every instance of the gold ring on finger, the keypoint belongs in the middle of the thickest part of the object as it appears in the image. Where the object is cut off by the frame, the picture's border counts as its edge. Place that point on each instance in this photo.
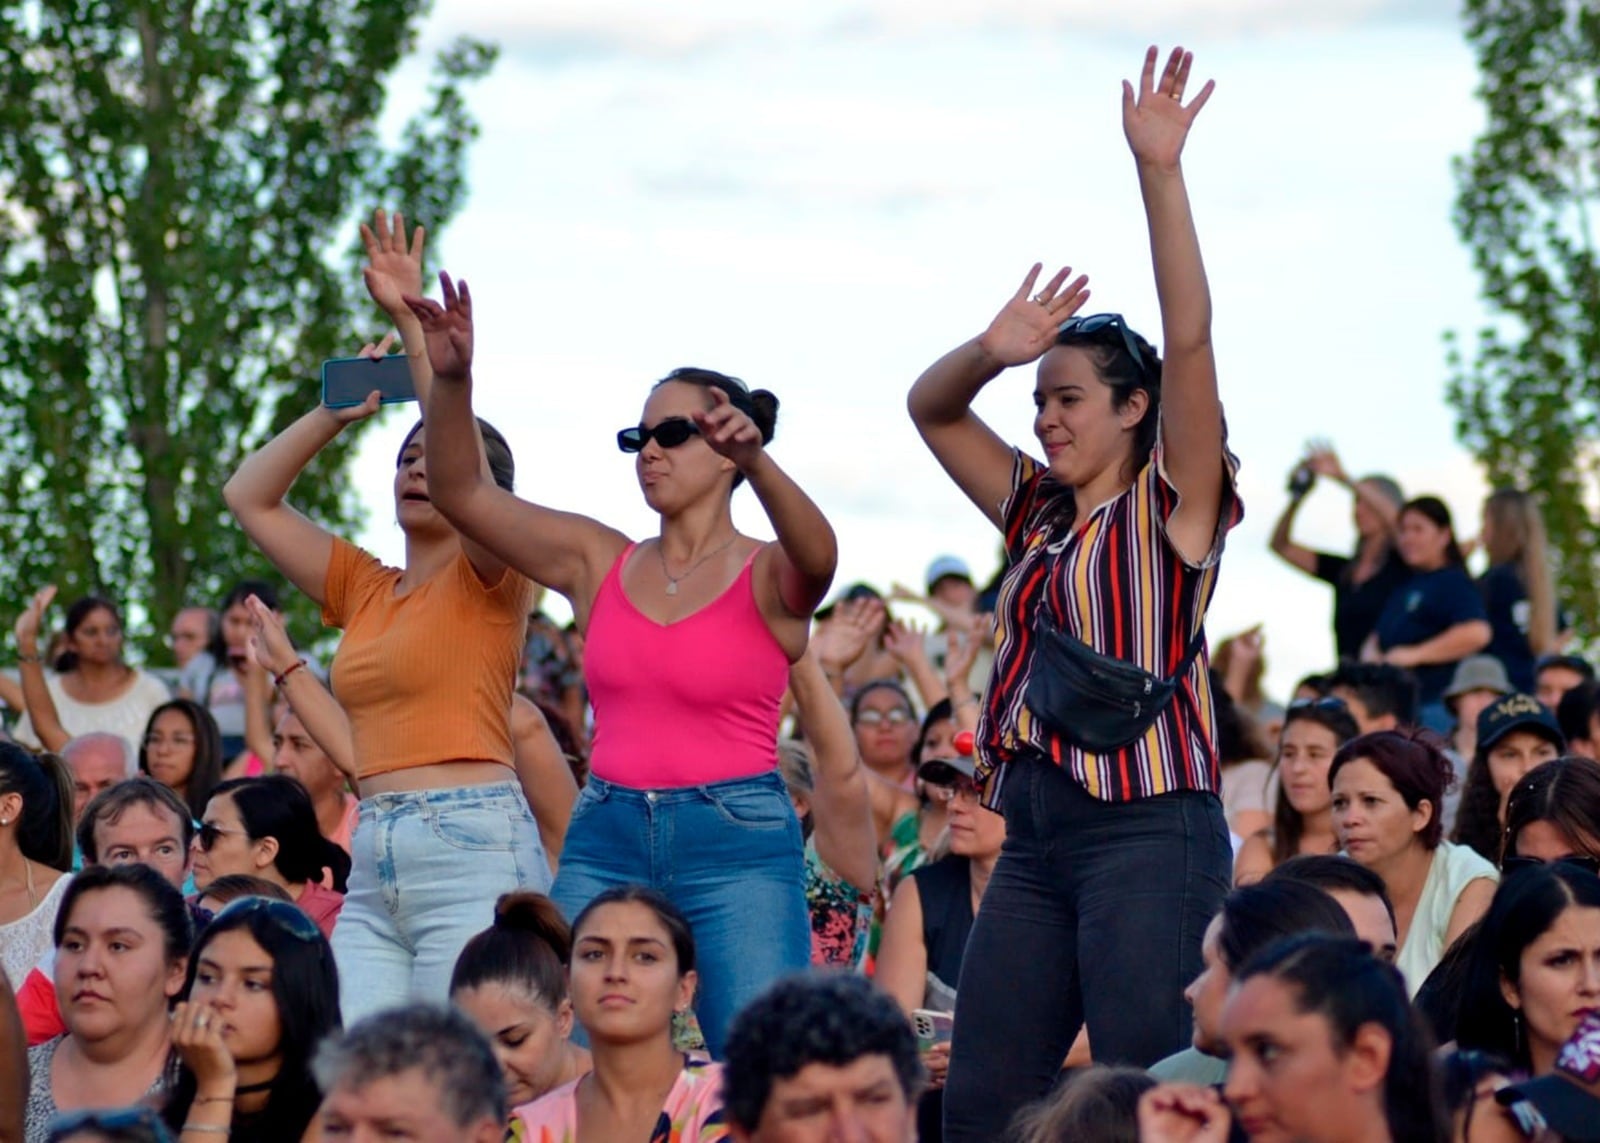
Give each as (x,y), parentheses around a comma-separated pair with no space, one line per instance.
(1040,299)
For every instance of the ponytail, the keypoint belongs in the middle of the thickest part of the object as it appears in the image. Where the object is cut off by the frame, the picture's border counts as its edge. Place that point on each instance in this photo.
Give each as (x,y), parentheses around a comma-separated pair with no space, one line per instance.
(44,831)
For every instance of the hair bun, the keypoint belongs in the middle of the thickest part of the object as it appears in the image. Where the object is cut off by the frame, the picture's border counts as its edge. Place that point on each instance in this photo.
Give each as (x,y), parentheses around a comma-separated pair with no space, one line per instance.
(765,404)
(536,914)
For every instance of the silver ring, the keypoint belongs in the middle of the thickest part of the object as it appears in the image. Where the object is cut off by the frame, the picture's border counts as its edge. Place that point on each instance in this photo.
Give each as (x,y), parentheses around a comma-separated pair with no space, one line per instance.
(1040,300)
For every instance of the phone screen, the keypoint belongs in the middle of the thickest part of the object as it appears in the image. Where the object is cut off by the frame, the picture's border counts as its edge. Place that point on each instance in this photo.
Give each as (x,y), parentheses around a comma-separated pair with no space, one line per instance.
(346,381)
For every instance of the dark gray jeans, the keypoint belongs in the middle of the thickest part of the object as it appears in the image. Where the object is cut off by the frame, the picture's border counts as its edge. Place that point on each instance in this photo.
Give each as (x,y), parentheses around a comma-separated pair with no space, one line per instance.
(1094,914)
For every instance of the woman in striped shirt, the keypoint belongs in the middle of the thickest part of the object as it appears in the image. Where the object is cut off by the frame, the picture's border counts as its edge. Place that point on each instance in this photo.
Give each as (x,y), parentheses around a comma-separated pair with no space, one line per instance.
(1117,852)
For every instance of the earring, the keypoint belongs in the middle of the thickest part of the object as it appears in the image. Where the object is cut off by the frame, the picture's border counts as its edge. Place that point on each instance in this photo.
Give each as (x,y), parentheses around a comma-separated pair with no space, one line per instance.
(1516,1031)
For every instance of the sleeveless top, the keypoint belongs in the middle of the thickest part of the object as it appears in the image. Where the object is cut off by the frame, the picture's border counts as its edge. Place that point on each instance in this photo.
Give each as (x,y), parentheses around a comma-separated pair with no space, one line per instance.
(684,703)
(692,1112)
(945,890)
(31,938)
(1454,868)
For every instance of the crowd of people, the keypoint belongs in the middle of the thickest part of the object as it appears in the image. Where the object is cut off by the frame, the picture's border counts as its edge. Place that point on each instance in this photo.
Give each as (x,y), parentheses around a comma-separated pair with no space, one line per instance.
(737,855)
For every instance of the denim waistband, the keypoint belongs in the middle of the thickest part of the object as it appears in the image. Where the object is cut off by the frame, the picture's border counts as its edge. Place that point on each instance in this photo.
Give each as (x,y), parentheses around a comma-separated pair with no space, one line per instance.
(771,780)
(489,795)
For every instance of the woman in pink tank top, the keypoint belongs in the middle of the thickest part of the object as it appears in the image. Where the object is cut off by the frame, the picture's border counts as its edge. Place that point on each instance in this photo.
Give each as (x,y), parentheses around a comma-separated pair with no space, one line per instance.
(688,639)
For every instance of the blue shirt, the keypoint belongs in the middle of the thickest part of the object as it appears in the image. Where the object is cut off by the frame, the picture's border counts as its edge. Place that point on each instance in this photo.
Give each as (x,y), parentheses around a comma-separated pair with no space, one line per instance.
(1432,603)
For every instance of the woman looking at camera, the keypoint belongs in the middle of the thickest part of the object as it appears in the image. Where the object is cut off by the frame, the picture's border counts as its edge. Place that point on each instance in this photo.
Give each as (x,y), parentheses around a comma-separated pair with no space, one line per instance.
(688,638)
(1113,543)
(261,994)
(429,716)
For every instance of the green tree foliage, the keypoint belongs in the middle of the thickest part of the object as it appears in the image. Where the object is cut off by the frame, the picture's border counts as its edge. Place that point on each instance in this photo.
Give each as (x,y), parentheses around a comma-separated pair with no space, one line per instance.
(179,186)
(1528,397)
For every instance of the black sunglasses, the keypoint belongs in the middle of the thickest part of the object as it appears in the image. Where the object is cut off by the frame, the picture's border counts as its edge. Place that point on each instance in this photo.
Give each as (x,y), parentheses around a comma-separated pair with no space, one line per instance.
(1583,861)
(287,917)
(1098,323)
(670,433)
(209,835)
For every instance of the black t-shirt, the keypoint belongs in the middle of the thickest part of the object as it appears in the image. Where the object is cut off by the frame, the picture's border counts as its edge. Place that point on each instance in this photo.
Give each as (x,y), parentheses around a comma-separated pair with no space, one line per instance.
(1429,605)
(1506,600)
(1356,607)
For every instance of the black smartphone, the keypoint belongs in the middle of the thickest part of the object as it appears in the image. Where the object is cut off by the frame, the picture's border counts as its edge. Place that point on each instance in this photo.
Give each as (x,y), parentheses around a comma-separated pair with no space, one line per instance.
(346,381)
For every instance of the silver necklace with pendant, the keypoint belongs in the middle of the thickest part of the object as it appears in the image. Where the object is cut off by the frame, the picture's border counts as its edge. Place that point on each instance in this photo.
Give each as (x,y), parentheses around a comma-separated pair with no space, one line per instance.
(672,580)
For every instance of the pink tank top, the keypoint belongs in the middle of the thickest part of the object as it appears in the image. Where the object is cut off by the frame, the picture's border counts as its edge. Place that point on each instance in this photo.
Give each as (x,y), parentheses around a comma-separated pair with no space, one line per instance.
(687,703)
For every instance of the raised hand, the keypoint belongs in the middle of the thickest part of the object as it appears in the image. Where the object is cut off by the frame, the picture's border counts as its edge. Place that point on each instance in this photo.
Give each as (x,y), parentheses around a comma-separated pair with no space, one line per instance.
(394,268)
(1322,460)
(448,329)
(905,641)
(1154,118)
(963,646)
(729,431)
(1027,326)
(270,645)
(845,635)
(31,620)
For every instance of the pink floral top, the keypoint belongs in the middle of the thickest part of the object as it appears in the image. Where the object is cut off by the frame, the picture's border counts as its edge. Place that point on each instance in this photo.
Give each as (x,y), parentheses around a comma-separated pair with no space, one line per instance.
(691,1114)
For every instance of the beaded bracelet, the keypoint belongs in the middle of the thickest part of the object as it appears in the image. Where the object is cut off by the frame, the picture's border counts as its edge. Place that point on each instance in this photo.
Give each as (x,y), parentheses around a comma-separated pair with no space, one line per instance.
(279,680)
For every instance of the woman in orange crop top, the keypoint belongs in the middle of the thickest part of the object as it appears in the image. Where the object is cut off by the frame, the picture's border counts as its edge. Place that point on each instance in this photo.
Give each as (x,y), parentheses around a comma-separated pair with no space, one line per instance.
(425,673)
(688,637)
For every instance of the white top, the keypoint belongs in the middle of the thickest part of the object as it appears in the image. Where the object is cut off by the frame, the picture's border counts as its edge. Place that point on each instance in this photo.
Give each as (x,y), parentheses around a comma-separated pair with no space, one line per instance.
(1454,868)
(126,716)
(25,942)
(1248,785)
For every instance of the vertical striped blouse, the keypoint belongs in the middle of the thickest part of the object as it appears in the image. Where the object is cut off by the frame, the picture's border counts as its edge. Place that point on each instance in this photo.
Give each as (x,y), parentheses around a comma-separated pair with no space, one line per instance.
(1113,580)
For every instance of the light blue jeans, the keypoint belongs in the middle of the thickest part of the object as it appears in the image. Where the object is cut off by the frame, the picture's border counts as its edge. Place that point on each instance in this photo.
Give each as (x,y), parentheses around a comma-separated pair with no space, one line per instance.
(728,854)
(426,868)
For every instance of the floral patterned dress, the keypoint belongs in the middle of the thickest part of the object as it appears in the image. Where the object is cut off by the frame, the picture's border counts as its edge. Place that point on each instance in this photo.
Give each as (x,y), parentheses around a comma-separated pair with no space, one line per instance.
(841,915)
(691,1114)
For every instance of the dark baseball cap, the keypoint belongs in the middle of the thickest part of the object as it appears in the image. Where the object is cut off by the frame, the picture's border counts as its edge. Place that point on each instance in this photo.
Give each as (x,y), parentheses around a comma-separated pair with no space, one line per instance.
(1518,712)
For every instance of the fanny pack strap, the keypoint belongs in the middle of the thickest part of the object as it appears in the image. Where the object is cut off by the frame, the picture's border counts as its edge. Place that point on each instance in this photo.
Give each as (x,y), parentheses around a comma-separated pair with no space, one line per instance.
(1190,654)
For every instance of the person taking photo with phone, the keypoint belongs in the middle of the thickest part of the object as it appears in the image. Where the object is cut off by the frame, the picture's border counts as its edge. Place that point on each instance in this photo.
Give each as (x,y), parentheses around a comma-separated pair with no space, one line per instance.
(425,673)
(688,639)
(1113,544)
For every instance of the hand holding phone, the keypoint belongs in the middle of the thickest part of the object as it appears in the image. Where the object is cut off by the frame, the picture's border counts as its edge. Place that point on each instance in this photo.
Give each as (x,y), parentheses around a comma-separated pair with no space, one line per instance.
(932,1028)
(346,381)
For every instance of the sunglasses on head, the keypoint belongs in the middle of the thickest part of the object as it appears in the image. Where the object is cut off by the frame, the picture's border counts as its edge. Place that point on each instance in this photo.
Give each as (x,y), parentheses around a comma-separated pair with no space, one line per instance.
(1099,323)
(669,433)
(1330,704)
(287,917)
(118,1119)
(1583,861)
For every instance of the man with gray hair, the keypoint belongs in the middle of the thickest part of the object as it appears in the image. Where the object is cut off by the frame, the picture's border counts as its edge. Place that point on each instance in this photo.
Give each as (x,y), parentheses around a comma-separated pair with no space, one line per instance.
(422,1072)
(97,761)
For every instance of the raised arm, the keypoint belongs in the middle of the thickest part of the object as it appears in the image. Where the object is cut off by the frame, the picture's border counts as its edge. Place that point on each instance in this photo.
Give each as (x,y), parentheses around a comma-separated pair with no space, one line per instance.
(297,547)
(315,706)
(806,552)
(561,550)
(1157,124)
(1283,545)
(392,273)
(841,807)
(1325,462)
(36,698)
(940,403)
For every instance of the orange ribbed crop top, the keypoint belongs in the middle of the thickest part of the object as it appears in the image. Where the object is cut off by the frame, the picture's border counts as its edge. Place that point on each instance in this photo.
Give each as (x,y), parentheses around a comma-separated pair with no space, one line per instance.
(427,676)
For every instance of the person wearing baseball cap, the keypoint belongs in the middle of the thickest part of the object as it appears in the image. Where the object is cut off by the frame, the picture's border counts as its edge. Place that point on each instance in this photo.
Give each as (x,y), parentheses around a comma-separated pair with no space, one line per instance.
(1515,734)
(1478,682)
(949,580)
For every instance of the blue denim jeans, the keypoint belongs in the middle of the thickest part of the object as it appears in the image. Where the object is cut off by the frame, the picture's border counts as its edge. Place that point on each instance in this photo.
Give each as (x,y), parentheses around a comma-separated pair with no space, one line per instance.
(728,854)
(1093,915)
(426,868)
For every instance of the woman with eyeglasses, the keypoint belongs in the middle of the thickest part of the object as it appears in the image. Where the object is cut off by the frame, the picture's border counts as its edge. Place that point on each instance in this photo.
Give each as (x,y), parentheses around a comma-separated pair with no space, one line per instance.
(262,992)
(1553,814)
(267,828)
(1387,791)
(182,750)
(1534,969)
(1302,815)
(1113,543)
(688,637)
(89,686)
(424,672)
(122,941)
(925,936)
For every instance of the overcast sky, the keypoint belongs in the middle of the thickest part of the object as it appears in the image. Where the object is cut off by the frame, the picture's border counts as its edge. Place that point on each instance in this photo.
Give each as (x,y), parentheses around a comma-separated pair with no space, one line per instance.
(822,197)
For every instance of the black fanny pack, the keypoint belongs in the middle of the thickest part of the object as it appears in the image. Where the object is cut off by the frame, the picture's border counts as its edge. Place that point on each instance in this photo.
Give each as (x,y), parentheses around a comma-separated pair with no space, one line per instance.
(1093,701)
